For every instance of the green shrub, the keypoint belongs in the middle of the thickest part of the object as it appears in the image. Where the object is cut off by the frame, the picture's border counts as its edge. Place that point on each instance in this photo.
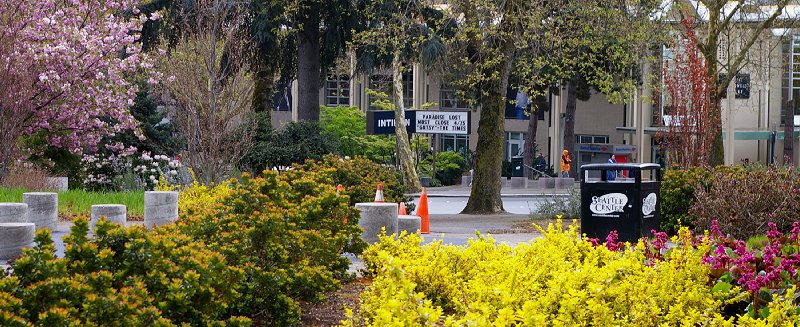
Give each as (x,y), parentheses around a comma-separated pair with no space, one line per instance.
(359,176)
(677,195)
(450,166)
(347,125)
(568,207)
(286,232)
(121,276)
(295,142)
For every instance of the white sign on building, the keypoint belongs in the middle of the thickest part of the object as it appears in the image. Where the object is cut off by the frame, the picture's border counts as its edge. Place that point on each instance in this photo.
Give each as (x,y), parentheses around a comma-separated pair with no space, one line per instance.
(442,122)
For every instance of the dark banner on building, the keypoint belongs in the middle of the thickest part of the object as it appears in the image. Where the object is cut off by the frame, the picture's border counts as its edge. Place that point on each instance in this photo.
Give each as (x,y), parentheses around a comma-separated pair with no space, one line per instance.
(425,122)
(382,121)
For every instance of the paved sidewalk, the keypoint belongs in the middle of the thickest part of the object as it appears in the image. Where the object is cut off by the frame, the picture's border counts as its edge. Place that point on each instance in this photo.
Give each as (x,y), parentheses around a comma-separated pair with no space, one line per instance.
(464,191)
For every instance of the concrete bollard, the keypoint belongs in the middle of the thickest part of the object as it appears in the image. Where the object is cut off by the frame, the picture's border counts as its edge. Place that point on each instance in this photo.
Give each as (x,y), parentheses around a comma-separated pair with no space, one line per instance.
(58,183)
(13,212)
(518,182)
(565,183)
(114,213)
(14,237)
(42,209)
(549,182)
(408,223)
(161,208)
(375,216)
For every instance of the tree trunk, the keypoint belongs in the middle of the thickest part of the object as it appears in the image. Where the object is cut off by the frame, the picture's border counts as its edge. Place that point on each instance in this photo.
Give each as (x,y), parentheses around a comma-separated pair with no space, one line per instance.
(262,93)
(404,155)
(530,138)
(485,196)
(714,116)
(308,66)
(569,128)
(788,133)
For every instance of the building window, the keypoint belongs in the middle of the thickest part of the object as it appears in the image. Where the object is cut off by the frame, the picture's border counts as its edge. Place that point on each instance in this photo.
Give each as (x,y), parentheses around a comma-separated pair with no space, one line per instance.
(591,139)
(337,90)
(448,100)
(454,142)
(408,90)
(515,145)
(791,78)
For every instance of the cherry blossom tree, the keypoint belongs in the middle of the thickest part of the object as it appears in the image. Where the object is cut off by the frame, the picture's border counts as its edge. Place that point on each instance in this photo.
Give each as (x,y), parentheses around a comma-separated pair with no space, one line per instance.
(65,72)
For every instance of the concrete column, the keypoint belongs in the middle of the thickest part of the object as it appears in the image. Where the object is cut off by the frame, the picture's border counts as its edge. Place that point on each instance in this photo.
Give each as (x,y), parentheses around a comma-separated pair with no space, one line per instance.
(13,212)
(114,213)
(419,85)
(14,237)
(160,208)
(374,216)
(42,209)
(409,224)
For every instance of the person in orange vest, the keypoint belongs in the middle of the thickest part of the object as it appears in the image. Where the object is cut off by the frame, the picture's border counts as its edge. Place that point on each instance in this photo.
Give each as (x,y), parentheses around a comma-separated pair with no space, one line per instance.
(565,161)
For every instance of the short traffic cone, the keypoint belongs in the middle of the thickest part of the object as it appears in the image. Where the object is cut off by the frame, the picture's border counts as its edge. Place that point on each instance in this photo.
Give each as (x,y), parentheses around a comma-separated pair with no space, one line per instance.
(422,212)
(379,194)
(402,210)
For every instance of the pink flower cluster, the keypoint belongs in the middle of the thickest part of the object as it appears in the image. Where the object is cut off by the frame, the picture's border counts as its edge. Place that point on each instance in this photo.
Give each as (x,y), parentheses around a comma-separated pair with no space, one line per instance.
(80,57)
(756,269)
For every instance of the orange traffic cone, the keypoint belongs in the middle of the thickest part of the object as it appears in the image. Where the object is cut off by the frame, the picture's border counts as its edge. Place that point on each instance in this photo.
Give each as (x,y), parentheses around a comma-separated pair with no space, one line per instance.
(402,210)
(379,194)
(422,212)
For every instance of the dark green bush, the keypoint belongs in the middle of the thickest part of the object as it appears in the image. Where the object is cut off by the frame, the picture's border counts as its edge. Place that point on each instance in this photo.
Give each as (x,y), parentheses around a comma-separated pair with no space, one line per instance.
(120,277)
(450,166)
(359,176)
(677,195)
(295,142)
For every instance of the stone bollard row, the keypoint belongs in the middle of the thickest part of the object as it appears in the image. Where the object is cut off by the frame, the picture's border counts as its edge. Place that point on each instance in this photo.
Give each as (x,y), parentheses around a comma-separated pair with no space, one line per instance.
(14,237)
(408,223)
(13,213)
(42,209)
(162,208)
(114,213)
(374,216)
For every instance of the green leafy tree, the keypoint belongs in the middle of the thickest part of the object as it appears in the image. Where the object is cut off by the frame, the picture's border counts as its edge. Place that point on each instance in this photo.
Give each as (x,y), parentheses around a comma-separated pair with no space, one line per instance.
(544,42)
(397,35)
(348,125)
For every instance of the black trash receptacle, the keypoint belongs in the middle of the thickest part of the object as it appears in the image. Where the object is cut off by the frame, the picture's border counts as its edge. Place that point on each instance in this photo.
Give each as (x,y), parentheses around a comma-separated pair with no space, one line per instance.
(627,205)
(517,169)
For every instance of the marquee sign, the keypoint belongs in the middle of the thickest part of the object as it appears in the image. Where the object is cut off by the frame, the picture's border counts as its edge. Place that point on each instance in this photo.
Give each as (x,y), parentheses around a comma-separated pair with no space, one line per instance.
(419,121)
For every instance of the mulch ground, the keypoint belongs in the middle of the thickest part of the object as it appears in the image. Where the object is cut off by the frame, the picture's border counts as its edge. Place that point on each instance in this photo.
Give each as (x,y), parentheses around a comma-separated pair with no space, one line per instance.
(331,312)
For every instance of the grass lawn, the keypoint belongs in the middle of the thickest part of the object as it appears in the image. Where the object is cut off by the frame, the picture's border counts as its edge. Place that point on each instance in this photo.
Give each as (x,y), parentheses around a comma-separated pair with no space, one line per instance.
(73,203)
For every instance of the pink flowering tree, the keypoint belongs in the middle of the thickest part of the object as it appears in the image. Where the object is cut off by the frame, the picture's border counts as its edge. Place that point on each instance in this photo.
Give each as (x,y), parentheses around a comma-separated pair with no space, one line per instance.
(65,72)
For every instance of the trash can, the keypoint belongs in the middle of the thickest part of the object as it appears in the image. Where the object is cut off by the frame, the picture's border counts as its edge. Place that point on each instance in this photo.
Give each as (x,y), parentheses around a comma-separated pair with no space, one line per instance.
(626,205)
(517,167)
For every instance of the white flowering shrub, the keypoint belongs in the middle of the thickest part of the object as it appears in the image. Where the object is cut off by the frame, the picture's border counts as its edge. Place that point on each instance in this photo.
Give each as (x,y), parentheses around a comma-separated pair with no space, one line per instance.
(104,172)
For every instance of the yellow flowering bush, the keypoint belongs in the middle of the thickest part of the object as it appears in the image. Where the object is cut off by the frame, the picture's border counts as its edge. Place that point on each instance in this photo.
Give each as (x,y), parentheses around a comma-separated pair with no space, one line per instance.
(286,232)
(119,277)
(560,280)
